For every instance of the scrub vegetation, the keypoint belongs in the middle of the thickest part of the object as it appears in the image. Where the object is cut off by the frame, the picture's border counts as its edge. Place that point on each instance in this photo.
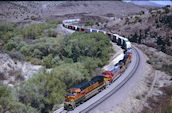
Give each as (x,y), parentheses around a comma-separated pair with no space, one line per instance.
(72,58)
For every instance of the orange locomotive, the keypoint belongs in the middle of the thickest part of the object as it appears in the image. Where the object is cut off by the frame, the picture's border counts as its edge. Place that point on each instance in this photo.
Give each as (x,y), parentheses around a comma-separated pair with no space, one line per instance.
(84,91)
(118,69)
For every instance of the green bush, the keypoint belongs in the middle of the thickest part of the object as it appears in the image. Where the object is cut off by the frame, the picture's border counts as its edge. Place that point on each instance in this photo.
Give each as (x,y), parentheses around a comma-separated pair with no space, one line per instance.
(97,23)
(34,31)
(35,61)
(89,23)
(71,74)
(166,9)
(141,12)
(14,44)
(50,21)
(37,53)
(95,45)
(47,61)
(7,26)
(42,91)
(90,63)
(42,47)
(9,101)
(52,33)
(7,31)
(26,50)
(56,61)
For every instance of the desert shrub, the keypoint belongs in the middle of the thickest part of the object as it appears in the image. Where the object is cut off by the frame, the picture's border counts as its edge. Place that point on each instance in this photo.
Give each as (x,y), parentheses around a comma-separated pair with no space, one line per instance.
(13,44)
(137,19)
(95,45)
(71,74)
(52,33)
(149,61)
(37,53)
(34,31)
(40,48)
(141,12)
(89,23)
(126,20)
(160,41)
(47,61)
(42,91)
(97,23)
(90,63)
(33,17)
(7,31)
(166,9)
(7,26)
(138,97)
(9,101)
(51,21)
(35,61)
(46,46)
(8,36)
(150,10)
(25,50)
(57,61)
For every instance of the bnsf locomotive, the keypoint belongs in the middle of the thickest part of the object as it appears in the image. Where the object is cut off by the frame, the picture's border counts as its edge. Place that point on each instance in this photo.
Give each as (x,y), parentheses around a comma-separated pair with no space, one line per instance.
(84,91)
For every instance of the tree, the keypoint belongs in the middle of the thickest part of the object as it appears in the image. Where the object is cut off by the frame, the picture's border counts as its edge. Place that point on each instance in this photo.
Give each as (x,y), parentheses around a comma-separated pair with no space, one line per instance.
(42,91)
(160,41)
(71,74)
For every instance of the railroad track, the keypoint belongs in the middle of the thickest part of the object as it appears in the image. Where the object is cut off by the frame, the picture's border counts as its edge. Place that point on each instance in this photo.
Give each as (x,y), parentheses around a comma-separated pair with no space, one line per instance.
(92,106)
(114,90)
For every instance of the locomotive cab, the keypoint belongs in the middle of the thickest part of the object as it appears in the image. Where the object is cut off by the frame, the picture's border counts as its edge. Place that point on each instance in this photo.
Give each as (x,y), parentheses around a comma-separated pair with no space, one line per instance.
(70,98)
(108,77)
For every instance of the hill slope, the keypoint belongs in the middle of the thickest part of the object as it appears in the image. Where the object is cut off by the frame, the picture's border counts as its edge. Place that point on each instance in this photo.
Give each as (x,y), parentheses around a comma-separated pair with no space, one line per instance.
(22,11)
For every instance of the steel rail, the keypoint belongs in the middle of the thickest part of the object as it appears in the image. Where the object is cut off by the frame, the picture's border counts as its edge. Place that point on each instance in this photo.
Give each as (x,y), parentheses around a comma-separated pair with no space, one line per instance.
(92,106)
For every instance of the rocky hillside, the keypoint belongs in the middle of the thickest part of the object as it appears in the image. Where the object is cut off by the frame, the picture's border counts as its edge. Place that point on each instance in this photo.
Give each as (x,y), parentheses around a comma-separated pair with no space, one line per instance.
(13,71)
(27,11)
(152,28)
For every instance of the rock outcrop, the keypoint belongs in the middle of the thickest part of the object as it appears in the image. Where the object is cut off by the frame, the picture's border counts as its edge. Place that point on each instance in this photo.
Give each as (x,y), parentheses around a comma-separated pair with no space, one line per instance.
(11,71)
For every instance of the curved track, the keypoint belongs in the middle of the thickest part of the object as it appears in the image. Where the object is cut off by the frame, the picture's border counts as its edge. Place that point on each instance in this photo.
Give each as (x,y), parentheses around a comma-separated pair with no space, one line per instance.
(105,94)
(90,104)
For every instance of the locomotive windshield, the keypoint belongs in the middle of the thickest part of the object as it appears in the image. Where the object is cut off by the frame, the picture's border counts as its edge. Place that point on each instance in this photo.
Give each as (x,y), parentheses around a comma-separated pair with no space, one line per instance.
(70,94)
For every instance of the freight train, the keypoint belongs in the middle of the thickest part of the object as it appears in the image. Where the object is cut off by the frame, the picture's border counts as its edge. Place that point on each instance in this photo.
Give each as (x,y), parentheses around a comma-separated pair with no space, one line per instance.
(82,92)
